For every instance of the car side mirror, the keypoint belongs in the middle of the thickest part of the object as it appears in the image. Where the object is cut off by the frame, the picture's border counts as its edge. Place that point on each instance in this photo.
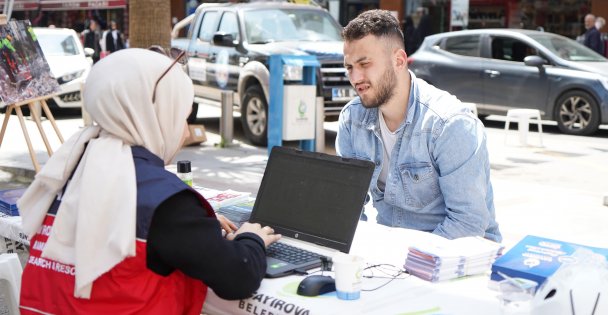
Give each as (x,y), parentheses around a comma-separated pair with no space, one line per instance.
(223,39)
(89,51)
(534,61)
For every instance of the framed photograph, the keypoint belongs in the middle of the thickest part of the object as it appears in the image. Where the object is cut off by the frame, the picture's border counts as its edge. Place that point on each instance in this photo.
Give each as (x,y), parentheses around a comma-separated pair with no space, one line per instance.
(24,72)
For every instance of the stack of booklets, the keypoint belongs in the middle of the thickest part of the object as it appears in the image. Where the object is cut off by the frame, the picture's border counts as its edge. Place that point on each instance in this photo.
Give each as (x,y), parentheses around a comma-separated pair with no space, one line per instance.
(441,259)
(536,258)
(8,200)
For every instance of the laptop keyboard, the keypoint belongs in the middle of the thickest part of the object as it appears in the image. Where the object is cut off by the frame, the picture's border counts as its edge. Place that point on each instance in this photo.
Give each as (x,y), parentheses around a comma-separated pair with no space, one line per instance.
(291,254)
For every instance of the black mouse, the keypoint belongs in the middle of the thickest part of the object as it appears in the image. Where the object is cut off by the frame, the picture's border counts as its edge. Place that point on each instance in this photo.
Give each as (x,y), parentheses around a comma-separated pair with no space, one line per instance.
(315,285)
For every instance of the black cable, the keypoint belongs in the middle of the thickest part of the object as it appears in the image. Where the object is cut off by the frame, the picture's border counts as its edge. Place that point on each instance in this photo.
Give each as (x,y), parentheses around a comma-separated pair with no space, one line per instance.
(381,268)
(391,272)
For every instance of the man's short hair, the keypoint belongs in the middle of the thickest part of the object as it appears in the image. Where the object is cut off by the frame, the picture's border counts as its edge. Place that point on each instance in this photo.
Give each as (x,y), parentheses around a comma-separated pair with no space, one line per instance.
(380,23)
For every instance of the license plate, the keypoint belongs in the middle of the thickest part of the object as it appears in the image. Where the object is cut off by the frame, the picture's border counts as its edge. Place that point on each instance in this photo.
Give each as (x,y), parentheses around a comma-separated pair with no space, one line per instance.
(342,94)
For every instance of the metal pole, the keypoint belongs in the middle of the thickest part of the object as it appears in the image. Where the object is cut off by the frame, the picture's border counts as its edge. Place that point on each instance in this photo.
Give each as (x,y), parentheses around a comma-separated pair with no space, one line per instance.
(275,103)
(309,78)
(319,128)
(227,120)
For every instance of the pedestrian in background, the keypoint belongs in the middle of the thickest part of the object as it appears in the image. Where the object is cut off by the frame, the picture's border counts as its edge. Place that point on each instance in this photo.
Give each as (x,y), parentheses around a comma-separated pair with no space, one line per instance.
(408,35)
(115,232)
(113,38)
(423,26)
(593,38)
(91,37)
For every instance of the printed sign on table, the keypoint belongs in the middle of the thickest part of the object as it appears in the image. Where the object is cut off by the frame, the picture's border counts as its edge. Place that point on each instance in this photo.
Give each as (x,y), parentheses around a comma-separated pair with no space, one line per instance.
(24,72)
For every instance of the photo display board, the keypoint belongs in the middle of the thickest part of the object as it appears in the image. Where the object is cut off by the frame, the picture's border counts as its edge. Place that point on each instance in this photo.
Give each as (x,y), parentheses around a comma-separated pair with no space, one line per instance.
(24,72)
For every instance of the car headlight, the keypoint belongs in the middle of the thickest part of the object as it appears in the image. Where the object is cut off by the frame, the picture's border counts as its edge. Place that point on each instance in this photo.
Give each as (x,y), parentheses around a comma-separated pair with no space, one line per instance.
(604,82)
(70,76)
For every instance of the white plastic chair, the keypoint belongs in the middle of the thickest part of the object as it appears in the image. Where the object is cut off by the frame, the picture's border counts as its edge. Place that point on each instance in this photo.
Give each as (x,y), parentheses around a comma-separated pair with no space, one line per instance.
(523,116)
(10,282)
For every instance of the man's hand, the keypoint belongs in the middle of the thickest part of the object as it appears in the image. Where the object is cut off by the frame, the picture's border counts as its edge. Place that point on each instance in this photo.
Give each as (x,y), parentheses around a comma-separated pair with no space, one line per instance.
(266,233)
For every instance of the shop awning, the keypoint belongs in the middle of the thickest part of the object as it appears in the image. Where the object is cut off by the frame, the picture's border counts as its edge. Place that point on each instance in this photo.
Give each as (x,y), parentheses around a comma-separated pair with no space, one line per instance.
(22,5)
(55,5)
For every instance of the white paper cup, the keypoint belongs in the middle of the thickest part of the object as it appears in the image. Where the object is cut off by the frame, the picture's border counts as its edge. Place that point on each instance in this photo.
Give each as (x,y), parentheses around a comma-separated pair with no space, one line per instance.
(348,271)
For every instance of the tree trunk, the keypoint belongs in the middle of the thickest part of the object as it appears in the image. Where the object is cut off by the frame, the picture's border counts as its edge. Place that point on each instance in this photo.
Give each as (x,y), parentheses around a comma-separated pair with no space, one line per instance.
(149,23)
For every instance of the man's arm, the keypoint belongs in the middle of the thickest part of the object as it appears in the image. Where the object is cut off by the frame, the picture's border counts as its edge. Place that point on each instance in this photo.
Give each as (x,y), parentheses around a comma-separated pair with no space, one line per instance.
(344,141)
(460,152)
(344,144)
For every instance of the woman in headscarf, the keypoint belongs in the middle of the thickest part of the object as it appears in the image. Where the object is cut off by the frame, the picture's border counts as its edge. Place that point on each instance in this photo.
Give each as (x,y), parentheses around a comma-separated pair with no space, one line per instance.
(113,232)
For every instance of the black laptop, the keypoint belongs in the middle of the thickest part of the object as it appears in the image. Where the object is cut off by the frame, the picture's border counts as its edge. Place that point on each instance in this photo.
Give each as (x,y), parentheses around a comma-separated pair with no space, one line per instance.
(314,200)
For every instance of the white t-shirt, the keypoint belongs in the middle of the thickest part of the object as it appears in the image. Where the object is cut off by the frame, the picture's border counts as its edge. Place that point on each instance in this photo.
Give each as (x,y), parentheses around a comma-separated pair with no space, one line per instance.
(388,140)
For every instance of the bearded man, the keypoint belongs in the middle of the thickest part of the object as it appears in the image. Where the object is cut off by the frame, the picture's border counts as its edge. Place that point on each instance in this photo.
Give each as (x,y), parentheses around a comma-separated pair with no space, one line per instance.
(432,167)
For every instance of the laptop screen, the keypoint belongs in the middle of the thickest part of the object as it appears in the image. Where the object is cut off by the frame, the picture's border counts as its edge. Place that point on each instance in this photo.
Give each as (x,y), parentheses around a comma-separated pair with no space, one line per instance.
(312,196)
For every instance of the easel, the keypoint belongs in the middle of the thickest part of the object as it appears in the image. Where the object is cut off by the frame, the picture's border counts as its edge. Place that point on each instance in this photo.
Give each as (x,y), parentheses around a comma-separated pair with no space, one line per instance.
(35,115)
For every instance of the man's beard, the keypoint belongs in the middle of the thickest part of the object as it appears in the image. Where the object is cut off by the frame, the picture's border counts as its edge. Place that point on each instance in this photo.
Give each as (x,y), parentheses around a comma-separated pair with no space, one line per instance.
(385,90)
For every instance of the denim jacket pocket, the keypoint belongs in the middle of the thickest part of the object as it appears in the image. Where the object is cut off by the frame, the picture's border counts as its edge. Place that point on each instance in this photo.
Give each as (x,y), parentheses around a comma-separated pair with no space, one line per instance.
(420,184)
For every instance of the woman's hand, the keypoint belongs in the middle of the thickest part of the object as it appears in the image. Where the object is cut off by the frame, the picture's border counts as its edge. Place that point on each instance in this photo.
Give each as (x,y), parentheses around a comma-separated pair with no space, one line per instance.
(226,224)
(266,233)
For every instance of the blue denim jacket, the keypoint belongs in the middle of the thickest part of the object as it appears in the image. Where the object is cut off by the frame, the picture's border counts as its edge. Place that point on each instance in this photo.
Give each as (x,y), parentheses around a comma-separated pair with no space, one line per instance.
(439,178)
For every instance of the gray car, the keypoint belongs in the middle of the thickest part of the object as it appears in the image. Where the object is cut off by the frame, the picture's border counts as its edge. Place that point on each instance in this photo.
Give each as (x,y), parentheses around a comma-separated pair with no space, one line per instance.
(501,69)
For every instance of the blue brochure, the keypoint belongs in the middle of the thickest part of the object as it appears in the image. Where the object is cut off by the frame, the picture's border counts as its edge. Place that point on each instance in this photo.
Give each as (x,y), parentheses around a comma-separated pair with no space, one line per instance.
(8,200)
(536,258)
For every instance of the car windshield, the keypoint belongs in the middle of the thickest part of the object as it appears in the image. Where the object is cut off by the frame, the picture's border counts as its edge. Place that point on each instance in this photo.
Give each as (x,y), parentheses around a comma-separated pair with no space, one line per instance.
(275,25)
(58,44)
(567,48)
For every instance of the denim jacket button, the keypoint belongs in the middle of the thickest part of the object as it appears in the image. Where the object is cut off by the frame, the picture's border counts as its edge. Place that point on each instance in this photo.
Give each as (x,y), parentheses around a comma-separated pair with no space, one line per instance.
(416,177)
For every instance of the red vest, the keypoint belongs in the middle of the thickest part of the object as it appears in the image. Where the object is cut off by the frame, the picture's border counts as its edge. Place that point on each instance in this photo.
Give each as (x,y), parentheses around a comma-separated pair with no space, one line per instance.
(47,286)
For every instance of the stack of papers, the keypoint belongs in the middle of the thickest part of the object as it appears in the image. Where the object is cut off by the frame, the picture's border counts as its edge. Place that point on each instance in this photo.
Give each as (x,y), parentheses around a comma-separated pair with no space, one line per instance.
(8,200)
(222,198)
(441,259)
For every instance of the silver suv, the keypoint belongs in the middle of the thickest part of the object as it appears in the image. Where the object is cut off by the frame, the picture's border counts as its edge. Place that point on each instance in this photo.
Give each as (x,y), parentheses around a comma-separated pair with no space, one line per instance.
(229,47)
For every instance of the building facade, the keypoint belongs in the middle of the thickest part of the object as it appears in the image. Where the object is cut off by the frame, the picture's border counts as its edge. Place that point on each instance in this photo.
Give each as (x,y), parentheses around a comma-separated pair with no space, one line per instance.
(563,17)
(73,14)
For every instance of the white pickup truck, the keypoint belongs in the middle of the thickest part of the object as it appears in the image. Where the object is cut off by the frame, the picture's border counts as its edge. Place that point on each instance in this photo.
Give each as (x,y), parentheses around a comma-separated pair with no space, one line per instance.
(229,45)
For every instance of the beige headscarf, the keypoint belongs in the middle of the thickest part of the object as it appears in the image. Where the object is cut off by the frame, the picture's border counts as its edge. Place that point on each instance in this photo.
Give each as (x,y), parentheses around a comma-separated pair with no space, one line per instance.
(95,225)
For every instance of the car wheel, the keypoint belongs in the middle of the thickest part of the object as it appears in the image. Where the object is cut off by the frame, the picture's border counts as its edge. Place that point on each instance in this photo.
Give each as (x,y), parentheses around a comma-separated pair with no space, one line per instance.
(192,118)
(577,113)
(254,113)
